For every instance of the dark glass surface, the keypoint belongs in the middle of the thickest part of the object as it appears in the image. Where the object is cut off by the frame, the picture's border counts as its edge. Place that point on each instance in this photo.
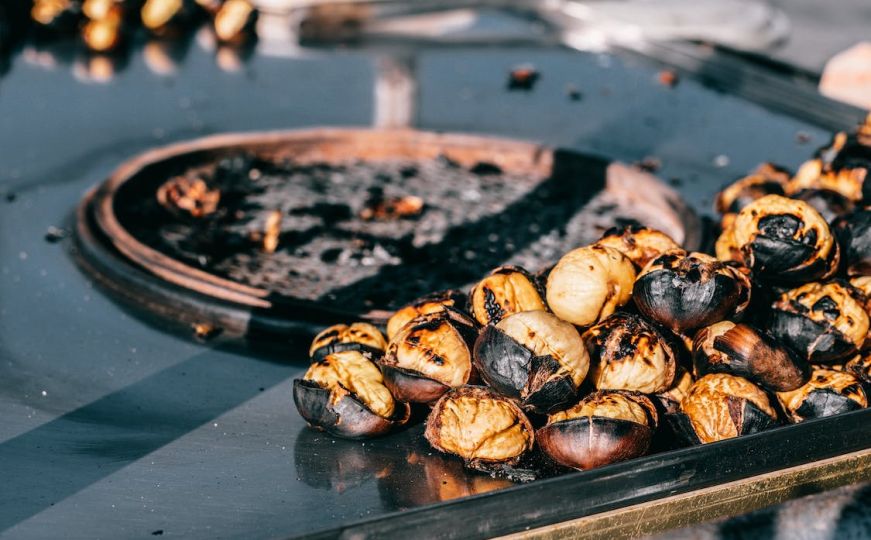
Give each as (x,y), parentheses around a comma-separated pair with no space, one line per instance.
(112,428)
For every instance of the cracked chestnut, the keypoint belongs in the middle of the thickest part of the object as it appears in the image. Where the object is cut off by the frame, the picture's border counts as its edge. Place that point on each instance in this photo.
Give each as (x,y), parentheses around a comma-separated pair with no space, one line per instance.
(822,322)
(534,358)
(639,244)
(785,240)
(767,179)
(429,356)
(506,290)
(344,394)
(745,351)
(721,406)
(478,425)
(358,336)
(604,427)
(589,283)
(828,392)
(854,233)
(628,353)
(431,303)
(860,367)
(683,291)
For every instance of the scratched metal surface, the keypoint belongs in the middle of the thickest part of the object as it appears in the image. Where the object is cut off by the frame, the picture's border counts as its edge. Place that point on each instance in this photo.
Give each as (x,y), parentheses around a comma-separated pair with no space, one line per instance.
(111,428)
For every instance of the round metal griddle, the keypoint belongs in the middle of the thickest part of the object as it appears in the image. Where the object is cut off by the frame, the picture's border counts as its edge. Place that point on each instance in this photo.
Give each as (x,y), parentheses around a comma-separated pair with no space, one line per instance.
(173,291)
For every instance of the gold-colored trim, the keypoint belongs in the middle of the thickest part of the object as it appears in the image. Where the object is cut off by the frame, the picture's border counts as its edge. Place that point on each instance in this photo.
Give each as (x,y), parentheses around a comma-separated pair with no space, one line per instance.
(728,499)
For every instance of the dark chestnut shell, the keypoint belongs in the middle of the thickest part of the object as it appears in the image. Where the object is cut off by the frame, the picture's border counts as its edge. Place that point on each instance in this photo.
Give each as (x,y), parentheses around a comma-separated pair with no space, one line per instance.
(408,386)
(816,342)
(745,351)
(593,441)
(362,337)
(686,291)
(830,204)
(421,306)
(348,417)
(854,234)
(827,393)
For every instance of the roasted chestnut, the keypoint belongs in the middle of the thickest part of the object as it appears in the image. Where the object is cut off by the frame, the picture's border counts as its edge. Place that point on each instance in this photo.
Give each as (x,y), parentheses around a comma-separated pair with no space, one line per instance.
(102,35)
(742,350)
(234,21)
(55,16)
(767,179)
(860,367)
(683,291)
(534,358)
(422,306)
(785,240)
(359,336)
(430,355)
(854,233)
(480,426)
(628,353)
(507,290)
(162,17)
(816,174)
(589,283)
(639,244)
(683,381)
(344,394)
(830,204)
(822,322)
(726,248)
(863,285)
(720,406)
(828,392)
(605,427)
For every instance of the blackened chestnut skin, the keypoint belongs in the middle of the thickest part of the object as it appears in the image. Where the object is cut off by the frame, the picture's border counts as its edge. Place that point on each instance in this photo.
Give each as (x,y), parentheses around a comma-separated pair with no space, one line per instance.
(686,291)
(745,351)
(347,417)
(408,386)
(830,204)
(854,234)
(827,393)
(593,441)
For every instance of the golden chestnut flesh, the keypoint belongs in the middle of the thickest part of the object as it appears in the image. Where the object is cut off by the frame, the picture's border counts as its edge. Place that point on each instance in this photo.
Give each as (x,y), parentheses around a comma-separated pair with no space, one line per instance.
(358,336)
(423,306)
(507,290)
(828,392)
(639,244)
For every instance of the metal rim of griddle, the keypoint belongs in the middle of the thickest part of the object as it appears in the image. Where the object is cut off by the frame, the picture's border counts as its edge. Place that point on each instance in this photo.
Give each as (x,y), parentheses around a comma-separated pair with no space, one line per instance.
(144,278)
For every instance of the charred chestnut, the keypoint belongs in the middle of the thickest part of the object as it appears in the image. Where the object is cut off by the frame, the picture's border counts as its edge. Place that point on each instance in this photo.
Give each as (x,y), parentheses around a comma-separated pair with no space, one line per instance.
(589,283)
(628,353)
(854,234)
(785,240)
(480,426)
(828,392)
(683,291)
(767,179)
(359,336)
(344,394)
(830,204)
(430,355)
(726,248)
(422,306)
(742,350)
(533,357)
(507,290)
(603,428)
(817,174)
(639,244)
(822,322)
(721,406)
(860,367)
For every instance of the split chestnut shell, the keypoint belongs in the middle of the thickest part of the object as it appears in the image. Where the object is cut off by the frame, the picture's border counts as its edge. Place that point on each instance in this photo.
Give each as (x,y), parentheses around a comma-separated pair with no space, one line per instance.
(639,244)
(628,353)
(742,350)
(854,234)
(344,394)
(828,392)
(767,179)
(822,322)
(605,427)
(683,291)
(589,283)
(430,355)
(506,290)
(534,358)
(785,240)
(480,426)
(721,406)
(431,303)
(358,336)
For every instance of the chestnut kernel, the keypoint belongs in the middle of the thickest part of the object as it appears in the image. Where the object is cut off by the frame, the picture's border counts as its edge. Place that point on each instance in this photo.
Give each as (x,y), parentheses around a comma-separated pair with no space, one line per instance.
(639,244)
(744,351)
(589,283)
(507,290)
(430,355)
(828,392)
(822,322)
(534,358)
(344,394)
(721,406)
(428,304)
(359,336)
(628,353)
(480,426)
(605,427)
(683,381)
(785,240)
(683,291)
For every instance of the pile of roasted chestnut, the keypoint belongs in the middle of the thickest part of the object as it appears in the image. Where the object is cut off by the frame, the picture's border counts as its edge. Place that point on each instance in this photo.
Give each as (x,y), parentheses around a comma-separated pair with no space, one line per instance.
(630,337)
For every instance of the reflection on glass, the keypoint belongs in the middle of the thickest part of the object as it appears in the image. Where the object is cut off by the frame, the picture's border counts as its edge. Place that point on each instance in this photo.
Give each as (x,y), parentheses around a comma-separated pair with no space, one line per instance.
(327,463)
(98,68)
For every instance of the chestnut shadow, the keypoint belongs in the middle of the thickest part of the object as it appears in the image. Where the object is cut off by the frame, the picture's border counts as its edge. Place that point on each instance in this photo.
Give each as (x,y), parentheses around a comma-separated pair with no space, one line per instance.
(466,253)
(68,454)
